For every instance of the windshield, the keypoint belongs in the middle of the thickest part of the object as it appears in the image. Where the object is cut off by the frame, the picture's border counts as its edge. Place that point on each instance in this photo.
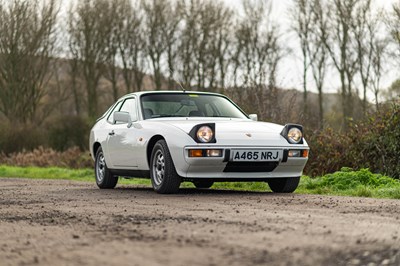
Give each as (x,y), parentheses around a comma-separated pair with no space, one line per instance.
(188,105)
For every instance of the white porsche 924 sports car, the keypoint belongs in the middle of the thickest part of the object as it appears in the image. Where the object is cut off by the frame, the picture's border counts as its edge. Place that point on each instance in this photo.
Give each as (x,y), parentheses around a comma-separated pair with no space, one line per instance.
(173,137)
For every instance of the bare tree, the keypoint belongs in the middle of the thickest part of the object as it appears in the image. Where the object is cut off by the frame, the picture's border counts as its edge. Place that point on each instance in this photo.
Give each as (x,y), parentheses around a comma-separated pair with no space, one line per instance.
(258,54)
(340,44)
(392,22)
(27,44)
(318,53)
(364,34)
(58,92)
(171,37)
(88,43)
(202,46)
(205,42)
(378,66)
(188,41)
(112,31)
(156,17)
(212,43)
(132,45)
(302,24)
(221,27)
(75,77)
(223,43)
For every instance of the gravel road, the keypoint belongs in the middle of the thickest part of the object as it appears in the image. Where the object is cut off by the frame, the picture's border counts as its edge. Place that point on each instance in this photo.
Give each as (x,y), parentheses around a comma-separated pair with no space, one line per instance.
(51,222)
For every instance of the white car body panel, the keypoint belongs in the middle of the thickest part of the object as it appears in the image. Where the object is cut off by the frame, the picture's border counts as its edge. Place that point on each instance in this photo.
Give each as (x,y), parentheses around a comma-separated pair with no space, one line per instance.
(127,148)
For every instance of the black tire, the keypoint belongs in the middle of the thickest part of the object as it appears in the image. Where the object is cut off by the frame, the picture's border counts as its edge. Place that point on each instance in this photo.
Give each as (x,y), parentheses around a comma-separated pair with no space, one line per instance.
(284,185)
(203,183)
(164,177)
(104,178)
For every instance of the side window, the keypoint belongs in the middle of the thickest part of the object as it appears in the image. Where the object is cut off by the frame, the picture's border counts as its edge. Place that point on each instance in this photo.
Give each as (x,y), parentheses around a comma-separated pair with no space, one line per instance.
(110,117)
(129,106)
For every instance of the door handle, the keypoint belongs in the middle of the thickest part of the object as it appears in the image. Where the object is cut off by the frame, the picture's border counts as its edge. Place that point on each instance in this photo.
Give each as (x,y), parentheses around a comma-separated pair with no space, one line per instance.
(112,133)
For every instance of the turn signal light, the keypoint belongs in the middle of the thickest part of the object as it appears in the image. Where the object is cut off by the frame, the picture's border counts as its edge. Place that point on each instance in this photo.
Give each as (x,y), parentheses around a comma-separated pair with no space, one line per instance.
(195,153)
(205,153)
(298,153)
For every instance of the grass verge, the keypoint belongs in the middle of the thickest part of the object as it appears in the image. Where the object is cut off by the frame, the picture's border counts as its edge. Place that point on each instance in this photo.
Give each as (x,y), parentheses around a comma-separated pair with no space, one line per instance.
(346,182)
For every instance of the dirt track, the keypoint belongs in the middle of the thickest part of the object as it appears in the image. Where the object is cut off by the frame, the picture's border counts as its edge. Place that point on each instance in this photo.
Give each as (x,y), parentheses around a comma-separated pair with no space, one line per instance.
(49,222)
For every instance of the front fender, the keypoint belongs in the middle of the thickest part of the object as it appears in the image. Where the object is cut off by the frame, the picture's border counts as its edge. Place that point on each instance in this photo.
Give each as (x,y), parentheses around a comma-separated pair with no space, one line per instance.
(99,133)
(175,138)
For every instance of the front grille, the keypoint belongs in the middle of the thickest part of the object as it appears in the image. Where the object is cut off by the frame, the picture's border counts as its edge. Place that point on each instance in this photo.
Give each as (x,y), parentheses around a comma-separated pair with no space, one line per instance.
(250,167)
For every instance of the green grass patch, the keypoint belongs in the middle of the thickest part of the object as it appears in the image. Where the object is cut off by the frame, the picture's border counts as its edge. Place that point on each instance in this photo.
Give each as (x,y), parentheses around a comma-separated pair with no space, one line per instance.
(85,174)
(346,182)
(47,173)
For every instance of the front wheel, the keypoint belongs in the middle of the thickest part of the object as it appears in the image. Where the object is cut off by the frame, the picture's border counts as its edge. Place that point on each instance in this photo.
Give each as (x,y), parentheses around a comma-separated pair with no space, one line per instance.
(163,175)
(284,185)
(104,178)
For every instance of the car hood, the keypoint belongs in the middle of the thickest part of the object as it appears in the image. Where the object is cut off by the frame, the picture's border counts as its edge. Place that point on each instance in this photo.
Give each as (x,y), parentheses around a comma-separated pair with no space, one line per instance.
(238,131)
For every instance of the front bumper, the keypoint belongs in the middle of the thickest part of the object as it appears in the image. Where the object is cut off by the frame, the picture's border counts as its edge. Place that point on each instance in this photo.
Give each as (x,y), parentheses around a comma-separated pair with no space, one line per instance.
(224,168)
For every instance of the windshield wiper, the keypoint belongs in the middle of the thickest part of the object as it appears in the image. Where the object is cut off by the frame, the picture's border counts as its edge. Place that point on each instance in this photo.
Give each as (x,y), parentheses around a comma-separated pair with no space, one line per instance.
(160,116)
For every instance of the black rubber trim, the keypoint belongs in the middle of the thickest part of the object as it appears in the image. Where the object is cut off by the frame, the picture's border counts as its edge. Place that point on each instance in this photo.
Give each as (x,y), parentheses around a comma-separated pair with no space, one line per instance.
(229,179)
(131,173)
(250,167)
(285,156)
(227,155)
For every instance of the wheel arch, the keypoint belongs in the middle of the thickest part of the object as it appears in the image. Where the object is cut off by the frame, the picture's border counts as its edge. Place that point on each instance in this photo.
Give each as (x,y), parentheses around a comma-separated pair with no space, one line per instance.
(150,146)
(96,147)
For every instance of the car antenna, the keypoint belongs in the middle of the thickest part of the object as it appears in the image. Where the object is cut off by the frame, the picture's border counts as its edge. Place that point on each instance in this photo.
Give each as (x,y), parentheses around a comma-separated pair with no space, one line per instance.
(177,81)
(183,89)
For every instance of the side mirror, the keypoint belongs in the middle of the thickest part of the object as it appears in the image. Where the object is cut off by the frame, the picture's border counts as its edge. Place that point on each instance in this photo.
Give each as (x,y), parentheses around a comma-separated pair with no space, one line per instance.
(123,117)
(254,117)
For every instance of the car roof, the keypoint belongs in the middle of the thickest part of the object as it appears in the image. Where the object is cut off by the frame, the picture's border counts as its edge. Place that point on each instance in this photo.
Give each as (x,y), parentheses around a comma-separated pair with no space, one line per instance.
(140,93)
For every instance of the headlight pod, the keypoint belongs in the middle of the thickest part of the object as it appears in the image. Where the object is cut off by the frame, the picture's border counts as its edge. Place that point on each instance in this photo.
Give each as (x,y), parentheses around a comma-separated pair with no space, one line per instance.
(203,133)
(293,133)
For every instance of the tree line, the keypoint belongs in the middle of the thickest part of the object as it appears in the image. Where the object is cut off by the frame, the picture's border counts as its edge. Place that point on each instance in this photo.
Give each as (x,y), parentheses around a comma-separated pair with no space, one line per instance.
(351,37)
(199,45)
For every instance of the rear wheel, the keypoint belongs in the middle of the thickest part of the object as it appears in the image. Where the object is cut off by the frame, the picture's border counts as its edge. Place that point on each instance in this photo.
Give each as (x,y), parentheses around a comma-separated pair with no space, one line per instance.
(203,184)
(104,178)
(163,175)
(284,185)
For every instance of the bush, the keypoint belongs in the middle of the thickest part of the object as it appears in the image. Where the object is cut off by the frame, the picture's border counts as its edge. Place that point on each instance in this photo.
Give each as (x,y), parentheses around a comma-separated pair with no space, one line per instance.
(14,138)
(328,152)
(378,144)
(68,131)
(60,134)
(45,157)
(373,144)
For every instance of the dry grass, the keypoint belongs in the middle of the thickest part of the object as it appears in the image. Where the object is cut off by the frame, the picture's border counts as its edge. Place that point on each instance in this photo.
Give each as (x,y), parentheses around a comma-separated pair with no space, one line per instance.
(46,157)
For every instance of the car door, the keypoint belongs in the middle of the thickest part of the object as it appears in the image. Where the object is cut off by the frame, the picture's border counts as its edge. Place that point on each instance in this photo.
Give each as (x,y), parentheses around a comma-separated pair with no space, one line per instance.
(122,140)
